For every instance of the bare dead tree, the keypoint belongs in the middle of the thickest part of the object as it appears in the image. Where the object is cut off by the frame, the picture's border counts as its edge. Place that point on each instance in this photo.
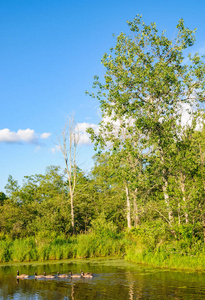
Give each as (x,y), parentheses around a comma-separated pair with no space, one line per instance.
(68,143)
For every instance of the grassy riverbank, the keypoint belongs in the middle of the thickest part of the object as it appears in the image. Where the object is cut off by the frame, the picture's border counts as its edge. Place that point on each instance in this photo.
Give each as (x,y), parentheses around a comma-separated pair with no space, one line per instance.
(133,247)
(42,249)
(166,253)
(170,260)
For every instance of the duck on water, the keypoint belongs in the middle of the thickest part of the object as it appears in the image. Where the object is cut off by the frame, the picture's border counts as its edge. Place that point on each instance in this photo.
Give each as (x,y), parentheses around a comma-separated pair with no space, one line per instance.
(75,275)
(22,276)
(48,276)
(62,275)
(51,276)
(87,275)
(38,276)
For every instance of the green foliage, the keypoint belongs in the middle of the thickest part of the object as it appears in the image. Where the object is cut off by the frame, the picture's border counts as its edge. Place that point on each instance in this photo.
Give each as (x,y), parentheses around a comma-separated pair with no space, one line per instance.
(12,188)
(2,198)
(108,195)
(104,228)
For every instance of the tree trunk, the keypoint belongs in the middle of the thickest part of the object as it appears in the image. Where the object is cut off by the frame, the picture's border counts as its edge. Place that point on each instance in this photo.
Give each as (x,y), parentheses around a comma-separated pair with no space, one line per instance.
(202,168)
(166,198)
(128,207)
(136,211)
(164,188)
(179,217)
(203,223)
(72,211)
(184,197)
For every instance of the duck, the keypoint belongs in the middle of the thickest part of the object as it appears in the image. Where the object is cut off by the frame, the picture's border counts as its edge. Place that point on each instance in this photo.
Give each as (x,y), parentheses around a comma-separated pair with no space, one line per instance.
(88,275)
(48,276)
(75,275)
(22,276)
(38,276)
(62,275)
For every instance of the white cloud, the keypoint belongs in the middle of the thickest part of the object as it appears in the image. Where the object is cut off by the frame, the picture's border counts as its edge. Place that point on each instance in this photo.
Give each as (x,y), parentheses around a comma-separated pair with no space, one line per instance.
(45,135)
(187,112)
(21,136)
(84,138)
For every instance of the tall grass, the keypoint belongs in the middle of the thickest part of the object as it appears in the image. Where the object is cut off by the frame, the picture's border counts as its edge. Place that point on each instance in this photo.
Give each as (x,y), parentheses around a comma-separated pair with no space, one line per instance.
(139,246)
(164,259)
(5,253)
(23,250)
(56,248)
(93,245)
(149,249)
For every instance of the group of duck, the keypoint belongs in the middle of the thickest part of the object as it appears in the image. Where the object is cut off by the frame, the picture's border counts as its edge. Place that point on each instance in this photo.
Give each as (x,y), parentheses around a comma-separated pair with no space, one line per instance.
(51,276)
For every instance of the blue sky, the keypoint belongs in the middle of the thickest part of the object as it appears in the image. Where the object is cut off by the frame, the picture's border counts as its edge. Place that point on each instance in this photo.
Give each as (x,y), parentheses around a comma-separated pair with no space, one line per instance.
(49,53)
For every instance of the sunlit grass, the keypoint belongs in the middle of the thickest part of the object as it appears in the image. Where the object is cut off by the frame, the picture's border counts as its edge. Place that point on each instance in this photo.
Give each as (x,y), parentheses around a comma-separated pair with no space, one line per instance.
(173,255)
(42,249)
(166,259)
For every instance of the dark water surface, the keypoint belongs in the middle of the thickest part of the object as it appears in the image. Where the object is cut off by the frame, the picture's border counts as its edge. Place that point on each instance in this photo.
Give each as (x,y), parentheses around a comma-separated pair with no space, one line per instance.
(113,279)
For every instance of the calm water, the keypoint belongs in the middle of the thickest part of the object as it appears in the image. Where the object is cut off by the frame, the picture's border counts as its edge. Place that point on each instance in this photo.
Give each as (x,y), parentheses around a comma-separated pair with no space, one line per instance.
(113,279)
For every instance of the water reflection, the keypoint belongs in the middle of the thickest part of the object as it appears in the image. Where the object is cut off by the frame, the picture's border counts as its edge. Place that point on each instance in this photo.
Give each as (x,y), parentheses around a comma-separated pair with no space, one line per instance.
(113,279)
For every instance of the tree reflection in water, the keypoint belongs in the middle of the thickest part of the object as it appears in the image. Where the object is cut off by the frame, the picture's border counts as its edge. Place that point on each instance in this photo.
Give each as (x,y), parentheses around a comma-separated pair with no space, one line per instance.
(114,279)
(72,291)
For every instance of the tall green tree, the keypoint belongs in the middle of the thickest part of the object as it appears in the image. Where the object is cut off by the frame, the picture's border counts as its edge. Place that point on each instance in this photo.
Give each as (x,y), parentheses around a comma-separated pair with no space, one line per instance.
(147,81)
(12,188)
(2,198)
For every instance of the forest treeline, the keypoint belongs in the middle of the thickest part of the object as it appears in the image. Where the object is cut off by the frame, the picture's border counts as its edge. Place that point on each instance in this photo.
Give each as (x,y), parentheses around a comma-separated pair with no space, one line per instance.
(42,204)
(148,179)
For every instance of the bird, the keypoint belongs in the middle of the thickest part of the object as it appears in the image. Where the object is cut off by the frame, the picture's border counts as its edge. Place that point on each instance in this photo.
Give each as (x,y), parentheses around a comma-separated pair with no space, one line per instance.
(75,275)
(22,276)
(38,276)
(62,275)
(88,275)
(48,276)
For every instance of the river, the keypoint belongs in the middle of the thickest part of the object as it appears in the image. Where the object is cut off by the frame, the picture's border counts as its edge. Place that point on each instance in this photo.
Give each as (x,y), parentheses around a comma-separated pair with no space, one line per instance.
(113,279)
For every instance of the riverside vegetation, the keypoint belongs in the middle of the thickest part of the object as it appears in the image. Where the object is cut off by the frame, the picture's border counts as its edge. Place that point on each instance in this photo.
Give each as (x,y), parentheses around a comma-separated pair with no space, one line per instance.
(144,197)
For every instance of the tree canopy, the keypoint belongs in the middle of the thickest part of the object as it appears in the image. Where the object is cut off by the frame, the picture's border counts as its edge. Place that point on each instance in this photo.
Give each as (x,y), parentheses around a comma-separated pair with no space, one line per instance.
(151,101)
